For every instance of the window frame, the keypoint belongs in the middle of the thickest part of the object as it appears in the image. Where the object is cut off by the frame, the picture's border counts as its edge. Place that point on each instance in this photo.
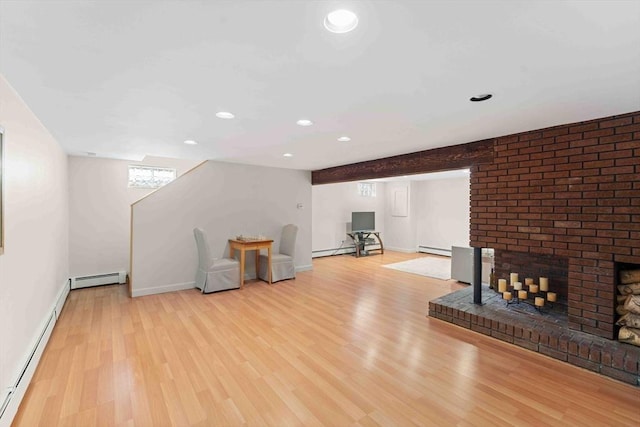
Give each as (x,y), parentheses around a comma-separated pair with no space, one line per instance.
(367,189)
(156,182)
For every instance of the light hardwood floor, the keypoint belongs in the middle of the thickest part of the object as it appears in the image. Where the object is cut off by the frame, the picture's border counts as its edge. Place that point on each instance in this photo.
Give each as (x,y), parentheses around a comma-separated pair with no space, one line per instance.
(347,344)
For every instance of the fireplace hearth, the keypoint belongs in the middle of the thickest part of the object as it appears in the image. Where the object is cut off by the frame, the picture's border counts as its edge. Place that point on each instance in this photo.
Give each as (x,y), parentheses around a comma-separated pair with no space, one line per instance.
(545,332)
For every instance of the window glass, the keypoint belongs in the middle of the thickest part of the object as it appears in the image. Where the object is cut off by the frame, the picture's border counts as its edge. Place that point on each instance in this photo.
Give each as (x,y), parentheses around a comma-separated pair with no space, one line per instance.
(150,176)
(367,189)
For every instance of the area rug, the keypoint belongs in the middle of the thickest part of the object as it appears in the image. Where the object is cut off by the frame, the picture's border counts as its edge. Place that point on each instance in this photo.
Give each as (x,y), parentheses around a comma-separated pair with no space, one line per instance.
(436,267)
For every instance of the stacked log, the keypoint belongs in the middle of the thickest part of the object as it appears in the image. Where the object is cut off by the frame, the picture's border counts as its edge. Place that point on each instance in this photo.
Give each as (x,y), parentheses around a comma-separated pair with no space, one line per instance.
(628,307)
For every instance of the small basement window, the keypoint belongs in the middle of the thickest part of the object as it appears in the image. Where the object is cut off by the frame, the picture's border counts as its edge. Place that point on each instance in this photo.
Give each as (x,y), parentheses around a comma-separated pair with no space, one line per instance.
(367,189)
(150,176)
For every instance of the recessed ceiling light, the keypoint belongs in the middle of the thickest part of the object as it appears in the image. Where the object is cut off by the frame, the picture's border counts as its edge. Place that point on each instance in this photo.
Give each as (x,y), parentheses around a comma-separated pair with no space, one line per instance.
(344,139)
(341,21)
(304,122)
(224,115)
(479,98)
(190,142)
(287,155)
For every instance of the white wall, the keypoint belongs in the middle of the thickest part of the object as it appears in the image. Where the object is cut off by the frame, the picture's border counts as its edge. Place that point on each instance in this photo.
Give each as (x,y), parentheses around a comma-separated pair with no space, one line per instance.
(34,266)
(332,207)
(443,212)
(226,200)
(99,211)
(401,230)
(437,217)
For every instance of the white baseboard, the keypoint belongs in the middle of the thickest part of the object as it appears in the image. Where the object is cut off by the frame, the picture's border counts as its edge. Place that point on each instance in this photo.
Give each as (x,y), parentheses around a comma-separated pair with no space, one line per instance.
(162,289)
(405,250)
(330,252)
(434,251)
(16,393)
(62,298)
(304,268)
(13,395)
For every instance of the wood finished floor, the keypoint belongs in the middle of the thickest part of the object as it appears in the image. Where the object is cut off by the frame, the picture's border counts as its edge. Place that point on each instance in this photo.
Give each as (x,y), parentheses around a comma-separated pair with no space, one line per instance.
(347,344)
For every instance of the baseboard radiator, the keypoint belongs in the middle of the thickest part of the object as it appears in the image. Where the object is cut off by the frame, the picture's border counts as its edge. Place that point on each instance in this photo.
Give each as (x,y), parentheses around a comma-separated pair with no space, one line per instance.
(336,251)
(25,374)
(12,395)
(118,277)
(434,251)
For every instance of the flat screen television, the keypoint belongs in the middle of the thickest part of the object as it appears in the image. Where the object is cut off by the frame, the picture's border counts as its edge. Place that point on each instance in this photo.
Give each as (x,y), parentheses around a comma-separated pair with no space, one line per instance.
(363,221)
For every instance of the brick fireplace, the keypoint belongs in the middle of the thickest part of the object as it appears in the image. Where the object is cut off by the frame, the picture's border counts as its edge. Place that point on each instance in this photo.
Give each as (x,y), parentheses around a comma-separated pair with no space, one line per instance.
(566,195)
(564,202)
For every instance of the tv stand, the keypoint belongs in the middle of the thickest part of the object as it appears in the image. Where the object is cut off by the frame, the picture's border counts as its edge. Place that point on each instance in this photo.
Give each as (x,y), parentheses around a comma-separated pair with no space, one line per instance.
(363,238)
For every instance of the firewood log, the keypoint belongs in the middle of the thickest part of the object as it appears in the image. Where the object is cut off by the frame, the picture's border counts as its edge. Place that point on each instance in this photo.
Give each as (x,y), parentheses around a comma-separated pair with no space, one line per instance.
(632,304)
(629,289)
(621,299)
(629,335)
(629,276)
(631,320)
(621,310)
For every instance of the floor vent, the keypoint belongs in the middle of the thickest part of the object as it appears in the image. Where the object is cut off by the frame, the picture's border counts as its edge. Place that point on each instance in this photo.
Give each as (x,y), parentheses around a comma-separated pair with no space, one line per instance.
(98,279)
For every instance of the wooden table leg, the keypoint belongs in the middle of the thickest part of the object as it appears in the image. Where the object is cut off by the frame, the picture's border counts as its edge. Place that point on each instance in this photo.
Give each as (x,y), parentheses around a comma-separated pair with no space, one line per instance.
(242,257)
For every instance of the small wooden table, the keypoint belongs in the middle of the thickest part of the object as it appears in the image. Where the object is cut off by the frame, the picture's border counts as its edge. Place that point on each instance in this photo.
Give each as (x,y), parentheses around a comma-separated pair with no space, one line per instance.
(251,245)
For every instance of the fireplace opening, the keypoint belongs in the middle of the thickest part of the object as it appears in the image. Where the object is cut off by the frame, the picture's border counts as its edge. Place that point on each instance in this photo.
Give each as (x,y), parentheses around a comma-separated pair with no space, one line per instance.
(555,269)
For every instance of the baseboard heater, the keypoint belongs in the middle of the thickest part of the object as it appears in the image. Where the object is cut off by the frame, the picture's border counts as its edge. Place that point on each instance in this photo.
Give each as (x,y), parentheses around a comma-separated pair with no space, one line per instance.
(29,368)
(434,251)
(330,252)
(118,277)
(12,395)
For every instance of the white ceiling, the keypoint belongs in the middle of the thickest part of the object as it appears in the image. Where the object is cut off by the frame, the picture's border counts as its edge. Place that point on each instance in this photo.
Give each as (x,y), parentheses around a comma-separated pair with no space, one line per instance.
(125,79)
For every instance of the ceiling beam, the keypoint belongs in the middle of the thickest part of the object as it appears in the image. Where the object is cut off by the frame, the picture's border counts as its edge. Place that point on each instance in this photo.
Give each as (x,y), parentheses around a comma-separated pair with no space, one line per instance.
(436,160)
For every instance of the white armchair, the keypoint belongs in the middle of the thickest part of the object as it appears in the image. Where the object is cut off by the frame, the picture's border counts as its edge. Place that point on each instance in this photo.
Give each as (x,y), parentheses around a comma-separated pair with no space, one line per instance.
(214,274)
(282,263)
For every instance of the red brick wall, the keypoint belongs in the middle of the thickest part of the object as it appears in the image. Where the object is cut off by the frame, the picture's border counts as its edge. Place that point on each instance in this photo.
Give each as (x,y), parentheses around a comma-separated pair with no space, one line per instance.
(570,192)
